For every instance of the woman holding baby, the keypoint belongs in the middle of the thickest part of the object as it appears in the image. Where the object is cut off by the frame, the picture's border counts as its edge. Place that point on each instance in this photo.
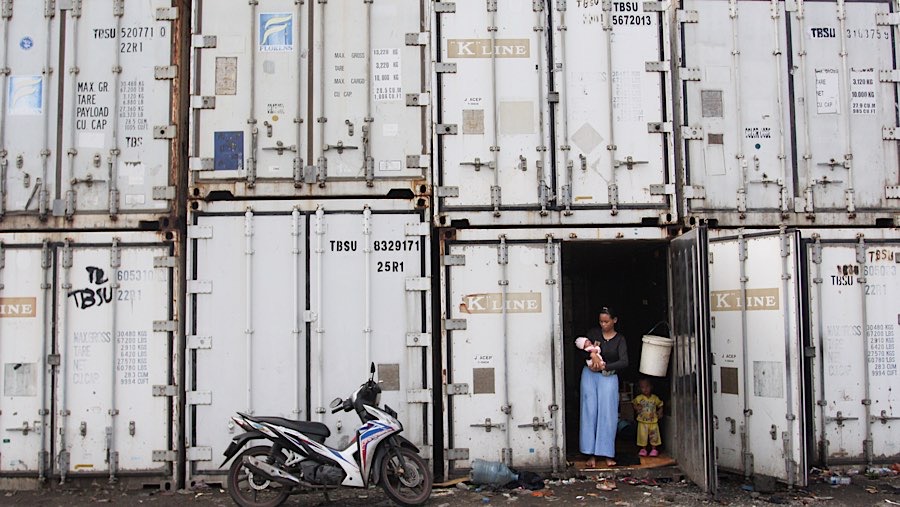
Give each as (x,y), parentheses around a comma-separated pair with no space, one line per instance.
(604,352)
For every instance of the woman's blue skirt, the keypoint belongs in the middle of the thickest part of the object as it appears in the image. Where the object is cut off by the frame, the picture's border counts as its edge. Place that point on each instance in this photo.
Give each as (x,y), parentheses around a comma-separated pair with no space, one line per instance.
(599,413)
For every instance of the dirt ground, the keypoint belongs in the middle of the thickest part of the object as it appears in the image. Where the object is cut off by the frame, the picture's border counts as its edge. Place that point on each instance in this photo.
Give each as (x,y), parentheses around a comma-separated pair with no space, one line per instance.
(665,487)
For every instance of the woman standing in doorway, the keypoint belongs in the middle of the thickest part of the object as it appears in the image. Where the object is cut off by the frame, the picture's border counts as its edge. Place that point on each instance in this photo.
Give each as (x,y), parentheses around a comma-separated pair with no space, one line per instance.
(600,390)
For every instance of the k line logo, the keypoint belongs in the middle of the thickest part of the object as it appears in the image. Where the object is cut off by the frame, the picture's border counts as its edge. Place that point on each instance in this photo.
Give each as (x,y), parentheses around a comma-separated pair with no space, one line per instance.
(482,48)
(12,308)
(516,302)
(733,300)
(276,32)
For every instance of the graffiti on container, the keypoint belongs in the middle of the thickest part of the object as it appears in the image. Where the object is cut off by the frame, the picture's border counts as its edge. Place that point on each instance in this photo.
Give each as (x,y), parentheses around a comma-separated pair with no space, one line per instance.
(95,294)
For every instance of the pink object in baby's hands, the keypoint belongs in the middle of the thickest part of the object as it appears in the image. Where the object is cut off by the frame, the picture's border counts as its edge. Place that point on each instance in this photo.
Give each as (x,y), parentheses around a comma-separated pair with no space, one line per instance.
(584,344)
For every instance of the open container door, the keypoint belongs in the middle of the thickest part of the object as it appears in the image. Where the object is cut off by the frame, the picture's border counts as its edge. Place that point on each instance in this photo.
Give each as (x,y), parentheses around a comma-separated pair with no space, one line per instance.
(691,393)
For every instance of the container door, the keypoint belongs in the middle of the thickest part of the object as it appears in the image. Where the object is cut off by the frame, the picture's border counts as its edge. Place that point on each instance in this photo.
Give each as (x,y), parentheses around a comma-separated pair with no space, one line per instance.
(844,98)
(854,323)
(505,373)
(369,289)
(116,127)
(756,348)
(114,308)
(251,115)
(247,340)
(28,103)
(692,382)
(370,110)
(611,144)
(736,112)
(24,343)
(493,128)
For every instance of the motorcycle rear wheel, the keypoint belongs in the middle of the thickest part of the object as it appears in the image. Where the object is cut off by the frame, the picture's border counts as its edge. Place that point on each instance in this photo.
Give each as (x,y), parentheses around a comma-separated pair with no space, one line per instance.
(248,490)
(410,488)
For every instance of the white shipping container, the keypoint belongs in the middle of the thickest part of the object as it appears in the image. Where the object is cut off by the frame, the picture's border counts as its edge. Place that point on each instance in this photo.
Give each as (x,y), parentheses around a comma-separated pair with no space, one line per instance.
(788,112)
(853,287)
(579,139)
(94,316)
(293,303)
(310,99)
(114,165)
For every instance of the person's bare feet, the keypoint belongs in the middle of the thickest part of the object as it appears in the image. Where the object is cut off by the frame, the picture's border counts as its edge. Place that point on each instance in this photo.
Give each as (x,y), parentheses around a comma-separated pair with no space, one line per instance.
(591,463)
(610,462)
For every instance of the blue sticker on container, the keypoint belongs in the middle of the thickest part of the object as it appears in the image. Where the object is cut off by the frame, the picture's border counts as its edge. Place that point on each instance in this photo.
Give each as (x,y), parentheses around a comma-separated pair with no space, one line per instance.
(26,43)
(276,32)
(25,95)
(229,151)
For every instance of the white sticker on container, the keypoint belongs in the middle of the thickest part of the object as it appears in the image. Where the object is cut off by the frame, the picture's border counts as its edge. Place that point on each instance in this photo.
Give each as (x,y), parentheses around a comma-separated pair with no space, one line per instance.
(862,91)
(386,74)
(390,130)
(627,95)
(132,199)
(827,90)
(390,166)
(136,181)
(91,139)
(25,95)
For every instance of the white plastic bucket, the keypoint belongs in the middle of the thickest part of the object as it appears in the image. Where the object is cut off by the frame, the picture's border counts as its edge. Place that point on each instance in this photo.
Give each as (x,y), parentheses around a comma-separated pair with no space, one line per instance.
(655,355)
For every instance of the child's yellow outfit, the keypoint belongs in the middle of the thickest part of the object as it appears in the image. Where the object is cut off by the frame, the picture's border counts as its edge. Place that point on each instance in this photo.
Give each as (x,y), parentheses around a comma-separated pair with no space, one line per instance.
(648,427)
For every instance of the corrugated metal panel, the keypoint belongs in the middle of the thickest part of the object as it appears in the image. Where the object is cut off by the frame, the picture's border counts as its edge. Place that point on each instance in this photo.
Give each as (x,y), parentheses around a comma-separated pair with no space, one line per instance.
(296,295)
(106,356)
(785,111)
(276,117)
(537,142)
(853,287)
(113,164)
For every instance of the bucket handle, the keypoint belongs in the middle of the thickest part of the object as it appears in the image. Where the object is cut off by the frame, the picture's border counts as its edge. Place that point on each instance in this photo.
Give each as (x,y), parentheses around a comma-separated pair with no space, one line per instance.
(662,322)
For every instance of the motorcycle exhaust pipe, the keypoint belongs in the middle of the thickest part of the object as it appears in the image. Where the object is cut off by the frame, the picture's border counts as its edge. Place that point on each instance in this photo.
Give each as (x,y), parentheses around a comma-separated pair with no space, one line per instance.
(270,472)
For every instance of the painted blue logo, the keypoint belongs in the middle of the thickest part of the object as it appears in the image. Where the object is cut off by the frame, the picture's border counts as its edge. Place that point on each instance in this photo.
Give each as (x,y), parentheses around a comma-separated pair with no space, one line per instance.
(276,32)
(26,43)
(25,95)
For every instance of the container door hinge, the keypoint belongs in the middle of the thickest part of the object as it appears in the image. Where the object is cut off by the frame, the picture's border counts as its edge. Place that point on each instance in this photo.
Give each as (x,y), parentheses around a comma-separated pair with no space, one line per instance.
(417,229)
(203,41)
(420,283)
(203,102)
(199,287)
(455,324)
(199,232)
(453,260)
(689,74)
(449,129)
(164,193)
(887,18)
(164,326)
(165,261)
(418,161)
(694,192)
(418,395)
(444,67)
(165,455)
(456,389)
(418,339)
(165,72)
(167,13)
(164,132)
(447,191)
(417,38)
(418,99)
(655,6)
(656,66)
(662,189)
(688,132)
(687,16)
(199,397)
(201,164)
(458,454)
(199,342)
(890,133)
(659,127)
(164,390)
(444,7)
(200,453)
(892,192)
(889,76)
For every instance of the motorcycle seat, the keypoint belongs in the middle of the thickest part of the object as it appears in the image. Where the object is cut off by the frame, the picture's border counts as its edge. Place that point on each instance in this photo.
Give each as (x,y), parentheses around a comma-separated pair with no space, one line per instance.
(305,427)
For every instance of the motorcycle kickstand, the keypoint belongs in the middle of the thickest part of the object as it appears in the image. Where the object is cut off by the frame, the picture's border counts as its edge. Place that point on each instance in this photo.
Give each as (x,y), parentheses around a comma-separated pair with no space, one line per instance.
(327,499)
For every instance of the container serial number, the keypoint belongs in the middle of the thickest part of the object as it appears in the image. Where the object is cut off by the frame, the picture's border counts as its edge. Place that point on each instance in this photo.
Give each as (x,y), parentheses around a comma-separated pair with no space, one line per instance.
(632,19)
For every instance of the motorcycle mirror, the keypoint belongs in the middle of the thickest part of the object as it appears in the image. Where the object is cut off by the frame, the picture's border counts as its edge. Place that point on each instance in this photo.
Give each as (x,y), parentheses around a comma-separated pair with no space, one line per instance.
(335,403)
(372,369)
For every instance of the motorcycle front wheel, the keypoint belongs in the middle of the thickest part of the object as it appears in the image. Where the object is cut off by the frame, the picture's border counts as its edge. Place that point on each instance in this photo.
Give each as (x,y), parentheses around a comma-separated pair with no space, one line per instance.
(409,484)
(249,490)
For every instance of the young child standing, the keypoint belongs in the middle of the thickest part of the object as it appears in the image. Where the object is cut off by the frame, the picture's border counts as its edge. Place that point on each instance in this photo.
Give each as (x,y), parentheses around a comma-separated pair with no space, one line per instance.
(648,408)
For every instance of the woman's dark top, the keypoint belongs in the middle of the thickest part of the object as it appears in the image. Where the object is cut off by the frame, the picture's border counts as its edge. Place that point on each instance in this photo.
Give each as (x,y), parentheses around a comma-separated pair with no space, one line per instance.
(614,350)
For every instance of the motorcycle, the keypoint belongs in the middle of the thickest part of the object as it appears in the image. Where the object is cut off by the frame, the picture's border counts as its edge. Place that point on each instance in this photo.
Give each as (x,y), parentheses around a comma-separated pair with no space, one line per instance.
(297,460)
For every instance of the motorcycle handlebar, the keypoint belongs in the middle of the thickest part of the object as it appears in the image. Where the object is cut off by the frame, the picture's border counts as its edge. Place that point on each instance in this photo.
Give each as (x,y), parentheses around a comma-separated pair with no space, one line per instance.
(336,410)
